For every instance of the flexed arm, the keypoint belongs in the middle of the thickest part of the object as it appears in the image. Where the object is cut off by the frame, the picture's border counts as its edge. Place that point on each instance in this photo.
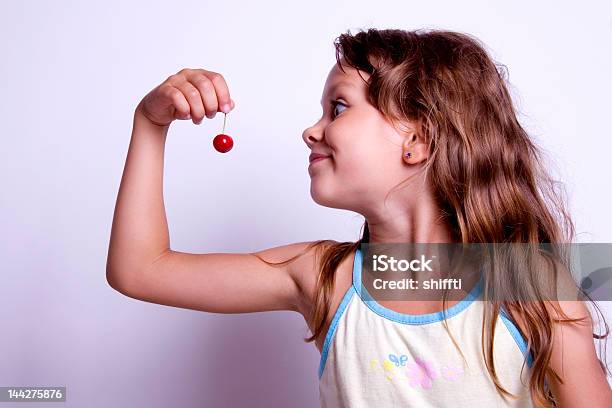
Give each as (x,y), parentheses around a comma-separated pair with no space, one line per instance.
(140,263)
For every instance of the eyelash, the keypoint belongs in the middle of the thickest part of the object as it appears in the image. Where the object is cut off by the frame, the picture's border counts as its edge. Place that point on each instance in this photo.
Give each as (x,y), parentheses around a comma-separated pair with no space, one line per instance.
(334,104)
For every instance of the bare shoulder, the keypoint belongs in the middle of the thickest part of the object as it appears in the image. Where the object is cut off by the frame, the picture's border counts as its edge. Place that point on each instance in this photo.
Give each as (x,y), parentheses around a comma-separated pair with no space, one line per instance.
(573,310)
(574,357)
(303,269)
(556,281)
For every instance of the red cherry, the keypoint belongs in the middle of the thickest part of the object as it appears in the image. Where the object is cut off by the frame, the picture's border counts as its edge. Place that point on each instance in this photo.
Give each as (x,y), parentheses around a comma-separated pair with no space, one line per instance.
(223,143)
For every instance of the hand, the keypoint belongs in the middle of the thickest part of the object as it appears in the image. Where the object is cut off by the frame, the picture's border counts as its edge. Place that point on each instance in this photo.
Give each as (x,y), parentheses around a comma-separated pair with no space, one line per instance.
(188,94)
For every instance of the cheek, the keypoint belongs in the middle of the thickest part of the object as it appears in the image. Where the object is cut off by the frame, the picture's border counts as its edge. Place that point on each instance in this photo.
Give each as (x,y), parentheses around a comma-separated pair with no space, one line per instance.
(367,157)
(362,171)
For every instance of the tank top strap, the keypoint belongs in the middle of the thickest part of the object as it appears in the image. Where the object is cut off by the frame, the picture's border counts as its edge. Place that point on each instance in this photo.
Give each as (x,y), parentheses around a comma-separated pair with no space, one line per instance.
(357,266)
(405,318)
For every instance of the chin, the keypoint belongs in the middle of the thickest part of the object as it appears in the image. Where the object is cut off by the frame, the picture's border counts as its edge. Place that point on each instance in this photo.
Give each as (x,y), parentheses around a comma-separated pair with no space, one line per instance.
(324,197)
(320,195)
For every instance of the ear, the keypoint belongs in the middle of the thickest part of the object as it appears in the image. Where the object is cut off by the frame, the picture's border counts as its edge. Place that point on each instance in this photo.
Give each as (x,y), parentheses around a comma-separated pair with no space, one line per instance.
(414,149)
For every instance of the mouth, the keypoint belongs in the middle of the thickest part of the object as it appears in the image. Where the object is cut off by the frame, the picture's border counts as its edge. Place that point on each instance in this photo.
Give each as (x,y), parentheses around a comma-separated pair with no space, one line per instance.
(317,157)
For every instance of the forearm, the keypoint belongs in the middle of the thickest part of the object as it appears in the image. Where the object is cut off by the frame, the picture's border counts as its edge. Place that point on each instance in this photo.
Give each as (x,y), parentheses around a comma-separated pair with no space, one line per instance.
(139,233)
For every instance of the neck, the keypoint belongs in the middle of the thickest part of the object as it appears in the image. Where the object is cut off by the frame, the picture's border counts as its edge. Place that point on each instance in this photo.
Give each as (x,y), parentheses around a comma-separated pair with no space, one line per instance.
(414,219)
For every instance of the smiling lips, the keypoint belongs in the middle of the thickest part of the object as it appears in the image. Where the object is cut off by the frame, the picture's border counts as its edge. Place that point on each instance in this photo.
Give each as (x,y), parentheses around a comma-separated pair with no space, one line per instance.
(315,157)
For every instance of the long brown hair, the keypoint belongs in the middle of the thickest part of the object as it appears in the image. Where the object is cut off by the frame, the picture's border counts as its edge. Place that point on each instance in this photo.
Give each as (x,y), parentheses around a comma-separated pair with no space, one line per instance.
(488,176)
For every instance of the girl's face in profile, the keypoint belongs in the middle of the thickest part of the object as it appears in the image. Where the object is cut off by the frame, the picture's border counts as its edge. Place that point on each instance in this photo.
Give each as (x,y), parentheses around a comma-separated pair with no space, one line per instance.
(364,150)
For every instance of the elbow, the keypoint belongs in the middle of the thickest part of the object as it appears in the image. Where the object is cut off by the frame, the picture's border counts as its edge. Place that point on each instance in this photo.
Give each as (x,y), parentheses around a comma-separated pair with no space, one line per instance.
(121,273)
(128,276)
(129,281)
(120,280)
(114,277)
(115,280)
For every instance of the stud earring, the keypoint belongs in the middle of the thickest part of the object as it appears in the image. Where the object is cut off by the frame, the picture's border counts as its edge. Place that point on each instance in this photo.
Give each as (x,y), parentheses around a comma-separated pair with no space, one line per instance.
(408,155)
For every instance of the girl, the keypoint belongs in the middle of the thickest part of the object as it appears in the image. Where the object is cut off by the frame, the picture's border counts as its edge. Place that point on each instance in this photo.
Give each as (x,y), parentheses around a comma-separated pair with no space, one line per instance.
(420,136)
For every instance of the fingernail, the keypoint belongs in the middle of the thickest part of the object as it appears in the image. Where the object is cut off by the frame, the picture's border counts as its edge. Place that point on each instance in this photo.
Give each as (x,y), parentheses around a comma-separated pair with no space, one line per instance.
(225,108)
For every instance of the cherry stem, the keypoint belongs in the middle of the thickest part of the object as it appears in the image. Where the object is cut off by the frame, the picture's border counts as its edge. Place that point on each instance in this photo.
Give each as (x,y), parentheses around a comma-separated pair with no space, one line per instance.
(224,117)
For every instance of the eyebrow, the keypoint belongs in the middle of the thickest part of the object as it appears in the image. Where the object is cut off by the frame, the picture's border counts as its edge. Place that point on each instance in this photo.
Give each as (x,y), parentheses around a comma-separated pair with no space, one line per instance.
(338,85)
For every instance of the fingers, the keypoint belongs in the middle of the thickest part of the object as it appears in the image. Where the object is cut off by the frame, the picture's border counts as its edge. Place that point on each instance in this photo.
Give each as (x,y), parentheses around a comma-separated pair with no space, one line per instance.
(179,104)
(213,90)
(192,95)
(205,92)
(208,92)
(222,92)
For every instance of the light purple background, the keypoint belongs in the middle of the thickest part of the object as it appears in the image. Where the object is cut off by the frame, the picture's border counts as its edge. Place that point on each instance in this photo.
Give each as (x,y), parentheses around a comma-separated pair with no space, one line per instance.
(73,71)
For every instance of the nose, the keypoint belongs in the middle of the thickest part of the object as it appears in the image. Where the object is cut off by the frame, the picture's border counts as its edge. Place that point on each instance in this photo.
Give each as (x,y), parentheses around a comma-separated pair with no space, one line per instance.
(312,135)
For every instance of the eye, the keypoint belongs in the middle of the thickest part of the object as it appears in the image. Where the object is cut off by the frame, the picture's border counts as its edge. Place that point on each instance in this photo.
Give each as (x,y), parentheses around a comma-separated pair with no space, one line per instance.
(334,105)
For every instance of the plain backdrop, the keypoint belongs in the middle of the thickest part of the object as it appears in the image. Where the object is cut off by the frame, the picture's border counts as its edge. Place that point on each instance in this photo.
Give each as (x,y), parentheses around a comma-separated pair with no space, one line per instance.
(72,73)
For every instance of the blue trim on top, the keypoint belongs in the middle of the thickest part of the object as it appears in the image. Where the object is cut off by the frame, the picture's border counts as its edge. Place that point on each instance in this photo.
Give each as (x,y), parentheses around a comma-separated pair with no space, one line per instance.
(332,328)
(516,334)
(406,318)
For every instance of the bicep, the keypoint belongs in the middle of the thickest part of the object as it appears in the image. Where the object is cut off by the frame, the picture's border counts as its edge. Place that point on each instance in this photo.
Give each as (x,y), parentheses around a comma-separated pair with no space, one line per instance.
(220,282)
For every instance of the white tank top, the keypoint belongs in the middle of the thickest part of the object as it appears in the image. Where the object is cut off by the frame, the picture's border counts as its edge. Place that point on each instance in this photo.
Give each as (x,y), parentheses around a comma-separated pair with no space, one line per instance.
(373,356)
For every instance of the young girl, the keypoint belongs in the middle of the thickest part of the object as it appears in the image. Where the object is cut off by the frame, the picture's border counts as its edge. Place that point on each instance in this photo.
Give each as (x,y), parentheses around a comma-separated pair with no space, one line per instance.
(420,136)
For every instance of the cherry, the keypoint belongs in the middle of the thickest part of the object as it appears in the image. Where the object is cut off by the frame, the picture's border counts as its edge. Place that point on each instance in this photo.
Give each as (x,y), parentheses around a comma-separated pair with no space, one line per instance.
(223,143)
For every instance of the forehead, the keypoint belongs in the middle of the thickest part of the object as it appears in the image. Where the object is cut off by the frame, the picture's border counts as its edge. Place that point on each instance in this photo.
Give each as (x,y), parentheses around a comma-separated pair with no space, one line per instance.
(350,79)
